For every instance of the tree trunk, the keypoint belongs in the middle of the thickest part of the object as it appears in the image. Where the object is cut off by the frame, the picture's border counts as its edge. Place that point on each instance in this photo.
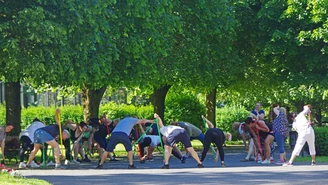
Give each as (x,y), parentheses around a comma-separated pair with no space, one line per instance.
(91,101)
(159,100)
(299,106)
(13,106)
(211,106)
(318,117)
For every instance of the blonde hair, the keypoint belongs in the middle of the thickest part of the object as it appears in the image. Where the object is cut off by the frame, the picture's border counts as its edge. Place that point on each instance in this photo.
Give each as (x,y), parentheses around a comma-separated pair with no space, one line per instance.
(235,126)
(282,110)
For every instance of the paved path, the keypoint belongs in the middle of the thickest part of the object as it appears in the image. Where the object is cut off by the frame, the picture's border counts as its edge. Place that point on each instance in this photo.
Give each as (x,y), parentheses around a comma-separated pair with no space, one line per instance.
(236,173)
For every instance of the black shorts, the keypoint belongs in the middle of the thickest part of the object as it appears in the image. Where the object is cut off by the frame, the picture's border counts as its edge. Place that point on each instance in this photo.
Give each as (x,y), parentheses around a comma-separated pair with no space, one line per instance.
(176,136)
(119,137)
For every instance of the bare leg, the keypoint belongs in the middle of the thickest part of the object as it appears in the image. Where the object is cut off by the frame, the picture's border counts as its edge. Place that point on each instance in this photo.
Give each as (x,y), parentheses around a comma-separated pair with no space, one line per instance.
(103,157)
(168,151)
(57,153)
(130,157)
(32,154)
(194,154)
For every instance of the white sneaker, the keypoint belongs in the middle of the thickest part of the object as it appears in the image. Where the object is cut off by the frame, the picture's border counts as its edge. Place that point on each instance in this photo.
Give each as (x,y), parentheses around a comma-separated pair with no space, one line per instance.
(34,165)
(22,165)
(266,161)
(66,162)
(75,161)
(259,161)
(50,163)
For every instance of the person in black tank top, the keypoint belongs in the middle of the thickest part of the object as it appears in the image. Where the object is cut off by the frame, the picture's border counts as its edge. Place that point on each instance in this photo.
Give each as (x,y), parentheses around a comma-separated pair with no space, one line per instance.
(216,136)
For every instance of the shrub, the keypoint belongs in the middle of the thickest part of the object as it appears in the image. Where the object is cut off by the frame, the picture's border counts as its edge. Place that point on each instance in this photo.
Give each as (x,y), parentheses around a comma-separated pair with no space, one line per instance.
(2,114)
(184,107)
(321,141)
(114,110)
(227,115)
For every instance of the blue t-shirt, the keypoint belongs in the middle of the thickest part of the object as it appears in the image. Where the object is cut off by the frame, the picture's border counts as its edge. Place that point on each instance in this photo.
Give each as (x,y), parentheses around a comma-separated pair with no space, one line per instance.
(126,125)
(260,112)
(53,130)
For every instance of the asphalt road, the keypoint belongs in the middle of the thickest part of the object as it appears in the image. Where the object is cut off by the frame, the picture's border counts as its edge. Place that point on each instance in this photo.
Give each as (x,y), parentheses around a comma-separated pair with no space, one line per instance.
(235,173)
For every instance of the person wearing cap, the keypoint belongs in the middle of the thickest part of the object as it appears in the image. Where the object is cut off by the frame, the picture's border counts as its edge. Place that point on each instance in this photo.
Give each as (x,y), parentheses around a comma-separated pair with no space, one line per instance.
(48,135)
(172,135)
(3,133)
(26,137)
(305,132)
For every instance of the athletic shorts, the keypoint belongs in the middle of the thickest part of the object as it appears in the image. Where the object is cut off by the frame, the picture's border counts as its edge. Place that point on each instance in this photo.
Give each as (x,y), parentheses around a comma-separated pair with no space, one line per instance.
(42,136)
(100,140)
(119,137)
(176,136)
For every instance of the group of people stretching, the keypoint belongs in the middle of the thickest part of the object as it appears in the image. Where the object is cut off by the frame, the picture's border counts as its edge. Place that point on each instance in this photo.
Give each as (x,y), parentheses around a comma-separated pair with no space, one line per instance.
(37,136)
(261,135)
(97,131)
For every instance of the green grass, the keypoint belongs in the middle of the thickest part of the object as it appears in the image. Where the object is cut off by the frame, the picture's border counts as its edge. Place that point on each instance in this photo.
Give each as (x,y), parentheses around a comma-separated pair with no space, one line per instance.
(7,179)
(319,159)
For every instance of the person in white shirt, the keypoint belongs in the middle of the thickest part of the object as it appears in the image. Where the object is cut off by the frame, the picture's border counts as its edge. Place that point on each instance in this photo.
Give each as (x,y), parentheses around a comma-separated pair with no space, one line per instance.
(26,137)
(173,135)
(305,134)
(152,141)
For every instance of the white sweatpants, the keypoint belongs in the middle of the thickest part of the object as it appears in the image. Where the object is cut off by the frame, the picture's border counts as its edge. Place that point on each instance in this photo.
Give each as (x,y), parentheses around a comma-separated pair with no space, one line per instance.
(305,136)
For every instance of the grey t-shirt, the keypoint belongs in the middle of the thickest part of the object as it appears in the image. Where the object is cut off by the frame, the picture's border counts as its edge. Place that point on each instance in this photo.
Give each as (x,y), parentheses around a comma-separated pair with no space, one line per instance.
(191,129)
(126,125)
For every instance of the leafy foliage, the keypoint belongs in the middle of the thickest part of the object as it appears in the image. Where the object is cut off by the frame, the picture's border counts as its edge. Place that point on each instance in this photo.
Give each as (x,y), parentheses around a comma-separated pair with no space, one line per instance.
(184,107)
(227,115)
(321,141)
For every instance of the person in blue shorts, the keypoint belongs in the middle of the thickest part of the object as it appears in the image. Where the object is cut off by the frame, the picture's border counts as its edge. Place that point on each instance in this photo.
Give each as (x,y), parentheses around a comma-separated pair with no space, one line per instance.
(121,134)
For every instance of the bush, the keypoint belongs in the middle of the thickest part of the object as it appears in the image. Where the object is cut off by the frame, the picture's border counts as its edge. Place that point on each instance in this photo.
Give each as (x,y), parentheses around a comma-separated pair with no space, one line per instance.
(321,141)
(47,114)
(184,107)
(2,114)
(114,110)
(227,115)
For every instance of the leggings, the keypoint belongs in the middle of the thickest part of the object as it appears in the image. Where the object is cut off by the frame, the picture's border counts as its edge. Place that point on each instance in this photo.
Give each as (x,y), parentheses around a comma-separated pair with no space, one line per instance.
(216,136)
(26,143)
(143,145)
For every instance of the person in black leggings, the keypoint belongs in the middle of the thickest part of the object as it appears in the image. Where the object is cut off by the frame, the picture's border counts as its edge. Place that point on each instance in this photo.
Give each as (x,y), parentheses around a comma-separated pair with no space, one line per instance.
(216,136)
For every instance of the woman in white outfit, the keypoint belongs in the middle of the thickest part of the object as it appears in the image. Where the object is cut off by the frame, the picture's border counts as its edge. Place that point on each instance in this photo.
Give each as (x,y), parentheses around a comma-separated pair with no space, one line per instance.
(305,134)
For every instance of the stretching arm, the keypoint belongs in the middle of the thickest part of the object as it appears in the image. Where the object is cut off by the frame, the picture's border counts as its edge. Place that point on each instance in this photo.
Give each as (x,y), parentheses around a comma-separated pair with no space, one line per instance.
(209,124)
(160,123)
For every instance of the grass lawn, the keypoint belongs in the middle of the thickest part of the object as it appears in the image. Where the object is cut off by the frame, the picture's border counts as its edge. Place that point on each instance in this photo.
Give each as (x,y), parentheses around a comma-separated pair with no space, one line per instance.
(7,179)
(308,159)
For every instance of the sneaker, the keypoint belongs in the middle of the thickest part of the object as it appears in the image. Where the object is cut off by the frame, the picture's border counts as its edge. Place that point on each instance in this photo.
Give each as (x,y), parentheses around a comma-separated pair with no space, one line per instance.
(28,166)
(287,164)
(200,166)
(271,160)
(132,167)
(78,160)
(313,163)
(142,161)
(266,161)
(151,159)
(66,162)
(113,159)
(75,161)
(280,162)
(34,165)
(183,159)
(244,160)
(166,166)
(251,159)
(223,165)
(87,160)
(259,161)
(100,166)
(59,167)
(50,163)
(21,165)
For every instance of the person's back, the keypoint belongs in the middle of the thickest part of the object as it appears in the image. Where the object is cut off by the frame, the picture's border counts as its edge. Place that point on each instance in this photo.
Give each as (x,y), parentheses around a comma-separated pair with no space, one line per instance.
(125,125)
(29,131)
